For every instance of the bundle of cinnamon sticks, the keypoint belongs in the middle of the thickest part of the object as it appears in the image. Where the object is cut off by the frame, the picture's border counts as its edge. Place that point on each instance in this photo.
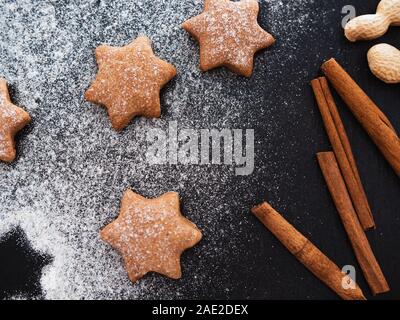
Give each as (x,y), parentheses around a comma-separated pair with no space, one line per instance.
(339,167)
(341,146)
(342,177)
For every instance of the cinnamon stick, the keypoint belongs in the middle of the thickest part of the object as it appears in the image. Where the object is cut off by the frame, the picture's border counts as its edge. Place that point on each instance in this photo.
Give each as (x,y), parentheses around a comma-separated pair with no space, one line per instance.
(341,131)
(362,249)
(366,111)
(341,146)
(308,254)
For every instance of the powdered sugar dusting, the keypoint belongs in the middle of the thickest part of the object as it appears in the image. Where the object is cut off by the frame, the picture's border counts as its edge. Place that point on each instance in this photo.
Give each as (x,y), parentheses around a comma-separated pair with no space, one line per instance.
(73,168)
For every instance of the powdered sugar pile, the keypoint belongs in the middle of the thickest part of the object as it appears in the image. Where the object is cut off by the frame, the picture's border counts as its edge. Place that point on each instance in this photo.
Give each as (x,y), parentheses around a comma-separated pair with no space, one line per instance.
(72,168)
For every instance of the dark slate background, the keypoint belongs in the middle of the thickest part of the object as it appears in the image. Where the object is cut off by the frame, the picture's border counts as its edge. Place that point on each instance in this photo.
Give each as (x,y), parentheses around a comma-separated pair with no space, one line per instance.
(303,199)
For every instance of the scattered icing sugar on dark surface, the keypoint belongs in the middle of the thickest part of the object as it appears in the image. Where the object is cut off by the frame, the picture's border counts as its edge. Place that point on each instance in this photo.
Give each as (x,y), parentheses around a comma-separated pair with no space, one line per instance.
(72,168)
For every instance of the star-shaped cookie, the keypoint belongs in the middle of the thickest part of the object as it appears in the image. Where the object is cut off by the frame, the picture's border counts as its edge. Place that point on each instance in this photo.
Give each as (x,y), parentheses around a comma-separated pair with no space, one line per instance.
(12,120)
(129,81)
(229,35)
(151,235)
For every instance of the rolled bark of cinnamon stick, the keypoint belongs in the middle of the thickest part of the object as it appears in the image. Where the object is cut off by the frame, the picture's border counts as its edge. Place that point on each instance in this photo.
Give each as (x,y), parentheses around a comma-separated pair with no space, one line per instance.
(341,146)
(341,130)
(367,113)
(308,254)
(362,249)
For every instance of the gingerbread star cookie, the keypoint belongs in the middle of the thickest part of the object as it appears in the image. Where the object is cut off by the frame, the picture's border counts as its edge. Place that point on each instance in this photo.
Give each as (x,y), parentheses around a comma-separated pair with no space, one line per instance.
(229,35)
(12,120)
(129,81)
(151,235)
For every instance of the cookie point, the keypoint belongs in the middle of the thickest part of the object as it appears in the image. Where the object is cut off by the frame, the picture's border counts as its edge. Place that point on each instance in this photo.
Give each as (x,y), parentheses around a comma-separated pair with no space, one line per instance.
(247,73)
(26,117)
(272,40)
(134,277)
(174,71)
(173,193)
(144,39)
(172,197)
(186,25)
(176,274)
(9,157)
(88,95)
(118,124)
(130,192)
(198,235)
(103,234)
